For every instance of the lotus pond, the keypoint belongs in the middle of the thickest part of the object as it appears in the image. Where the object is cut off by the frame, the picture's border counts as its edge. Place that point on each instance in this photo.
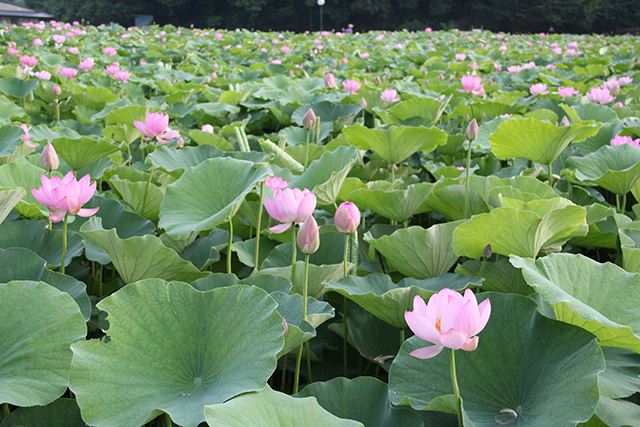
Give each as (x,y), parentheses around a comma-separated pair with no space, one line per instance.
(246,229)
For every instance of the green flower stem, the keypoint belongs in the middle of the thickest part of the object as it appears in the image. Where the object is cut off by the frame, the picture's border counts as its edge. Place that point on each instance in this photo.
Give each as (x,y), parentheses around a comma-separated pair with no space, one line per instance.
(345,301)
(296,375)
(402,337)
(57,110)
(167,419)
(64,242)
(229,245)
(317,135)
(283,378)
(456,389)
(5,410)
(467,181)
(255,263)
(293,257)
(296,381)
(550,174)
(306,155)
(310,377)
(624,203)
(146,191)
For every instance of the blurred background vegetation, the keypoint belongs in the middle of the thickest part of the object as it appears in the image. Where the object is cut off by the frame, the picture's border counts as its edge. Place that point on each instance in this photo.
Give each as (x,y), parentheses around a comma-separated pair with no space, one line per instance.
(517,16)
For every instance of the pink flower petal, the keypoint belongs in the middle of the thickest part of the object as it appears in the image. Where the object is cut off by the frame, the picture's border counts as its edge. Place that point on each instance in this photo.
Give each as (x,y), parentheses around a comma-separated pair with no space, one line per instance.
(453,339)
(427,352)
(422,327)
(280,228)
(471,344)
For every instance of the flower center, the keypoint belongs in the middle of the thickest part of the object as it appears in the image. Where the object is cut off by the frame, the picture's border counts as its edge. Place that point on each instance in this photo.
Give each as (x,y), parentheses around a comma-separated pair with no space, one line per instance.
(438,324)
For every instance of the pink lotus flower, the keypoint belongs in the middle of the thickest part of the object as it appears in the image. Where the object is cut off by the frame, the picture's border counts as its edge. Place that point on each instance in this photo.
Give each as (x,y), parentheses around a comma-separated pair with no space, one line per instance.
(28,61)
(86,64)
(460,56)
(109,50)
(56,90)
(156,126)
(567,91)
(599,96)
(514,69)
(37,42)
(26,137)
(275,183)
(625,80)
(111,69)
(12,51)
(330,81)
(65,195)
(351,86)
(308,238)
(449,320)
(309,119)
(538,89)
(207,129)
(347,218)
(285,49)
(290,205)
(619,140)
(74,50)
(390,95)
(42,75)
(122,75)
(68,72)
(49,158)
(472,84)
(58,38)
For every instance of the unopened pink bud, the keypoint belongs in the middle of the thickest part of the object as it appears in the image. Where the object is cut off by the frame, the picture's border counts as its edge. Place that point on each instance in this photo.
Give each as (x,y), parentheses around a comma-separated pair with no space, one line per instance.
(56,90)
(49,158)
(347,218)
(309,119)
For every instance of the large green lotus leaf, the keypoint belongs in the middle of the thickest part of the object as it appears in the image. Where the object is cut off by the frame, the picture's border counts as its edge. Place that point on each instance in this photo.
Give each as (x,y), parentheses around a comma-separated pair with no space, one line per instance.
(140,257)
(174,349)
(604,299)
(630,245)
(61,413)
(318,276)
(325,176)
(246,251)
(26,176)
(94,97)
(38,323)
(621,378)
(22,264)
(36,236)
(44,133)
(499,276)
(18,88)
(133,194)
(388,301)
(396,143)
(8,200)
(83,151)
(9,139)
(364,399)
(205,138)
(9,112)
(329,112)
(616,169)
(511,231)
(171,159)
(448,198)
(207,195)
(544,370)
(396,204)
(616,413)
(418,252)
(126,115)
(427,108)
(272,408)
(536,140)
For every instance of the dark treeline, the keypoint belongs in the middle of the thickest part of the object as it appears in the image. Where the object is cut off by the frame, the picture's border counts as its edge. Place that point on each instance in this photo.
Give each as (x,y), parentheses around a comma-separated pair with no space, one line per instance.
(572,16)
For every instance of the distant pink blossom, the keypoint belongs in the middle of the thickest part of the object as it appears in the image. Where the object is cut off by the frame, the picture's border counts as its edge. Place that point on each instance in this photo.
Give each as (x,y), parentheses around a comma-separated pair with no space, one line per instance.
(538,89)
(86,64)
(109,50)
(351,86)
(618,105)
(42,75)
(390,95)
(619,140)
(207,128)
(58,38)
(472,84)
(275,183)
(330,81)
(111,69)
(285,49)
(27,137)
(514,69)
(37,42)
(12,51)
(122,75)
(599,96)
(567,91)
(461,56)
(68,72)
(625,80)
(156,126)
(73,50)
(28,61)
(56,90)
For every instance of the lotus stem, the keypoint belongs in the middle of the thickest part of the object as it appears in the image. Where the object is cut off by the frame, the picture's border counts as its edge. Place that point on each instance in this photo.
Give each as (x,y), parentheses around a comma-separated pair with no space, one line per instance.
(550,175)
(306,155)
(229,245)
(624,203)
(345,301)
(456,389)
(5,410)
(64,242)
(146,191)
(57,111)
(296,375)
(467,181)
(283,378)
(305,295)
(167,419)
(293,257)
(255,262)
(317,135)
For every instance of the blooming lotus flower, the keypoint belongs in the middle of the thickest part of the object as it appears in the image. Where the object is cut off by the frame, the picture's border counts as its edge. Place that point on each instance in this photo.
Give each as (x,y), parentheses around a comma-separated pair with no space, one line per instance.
(74,50)
(567,91)
(108,50)
(460,56)
(514,69)
(275,183)
(122,75)
(619,140)
(347,218)
(27,61)
(390,95)
(290,205)
(599,96)
(68,72)
(42,75)
(49,158)
(449,320)
(58,38)
(112,68)
(65,195)
(351,86)
(156,126)
(207,129)
(538,89)
(27,137)
(472,84)
(86,64)
(625,80)
(308,238)
(37,42)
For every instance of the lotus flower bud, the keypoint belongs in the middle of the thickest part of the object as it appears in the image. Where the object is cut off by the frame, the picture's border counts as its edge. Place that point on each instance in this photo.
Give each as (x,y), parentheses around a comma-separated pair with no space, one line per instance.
(49,158)
(207,129)
(472,130)
(180,142)
(309,236)
(565,121)
(56,90)
(363,102)
(377,80)
(486,252)
(309,119)
(330,81)
(347,218)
